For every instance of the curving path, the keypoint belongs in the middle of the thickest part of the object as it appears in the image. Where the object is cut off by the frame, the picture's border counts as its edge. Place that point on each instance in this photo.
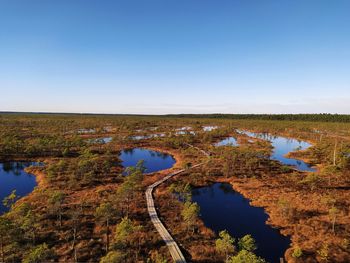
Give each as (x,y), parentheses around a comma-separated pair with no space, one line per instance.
(173,247)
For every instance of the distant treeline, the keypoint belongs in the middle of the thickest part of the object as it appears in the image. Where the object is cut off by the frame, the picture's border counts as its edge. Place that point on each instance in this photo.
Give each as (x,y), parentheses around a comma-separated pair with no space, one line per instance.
(323,117)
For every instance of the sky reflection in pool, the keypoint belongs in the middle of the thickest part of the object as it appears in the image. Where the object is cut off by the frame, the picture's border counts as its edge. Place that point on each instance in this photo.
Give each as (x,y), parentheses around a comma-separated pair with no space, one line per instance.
(209,128)
(223,208)
(154,161)
(13,177)
(282,146)
(230,141)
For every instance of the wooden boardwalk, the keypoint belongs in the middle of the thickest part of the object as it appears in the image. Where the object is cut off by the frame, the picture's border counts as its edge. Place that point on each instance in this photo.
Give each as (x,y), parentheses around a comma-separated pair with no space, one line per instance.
(173,247)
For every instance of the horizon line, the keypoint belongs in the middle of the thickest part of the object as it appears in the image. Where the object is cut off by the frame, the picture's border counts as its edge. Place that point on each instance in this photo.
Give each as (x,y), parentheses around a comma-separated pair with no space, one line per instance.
(164,114)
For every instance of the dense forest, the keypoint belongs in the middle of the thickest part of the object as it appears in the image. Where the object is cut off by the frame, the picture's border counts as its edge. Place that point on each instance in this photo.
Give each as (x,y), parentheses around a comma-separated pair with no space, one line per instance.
(322,117)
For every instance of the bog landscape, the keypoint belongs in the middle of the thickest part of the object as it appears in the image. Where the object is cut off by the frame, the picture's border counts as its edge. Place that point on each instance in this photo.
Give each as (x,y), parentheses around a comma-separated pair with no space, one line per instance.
(159,131)
(234,188)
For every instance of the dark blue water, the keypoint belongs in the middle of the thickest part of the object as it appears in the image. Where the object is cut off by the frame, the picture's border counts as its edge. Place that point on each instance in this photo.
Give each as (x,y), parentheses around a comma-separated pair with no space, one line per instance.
(154,161)
(13,177)
(230,141)
(222,208)
(282,146)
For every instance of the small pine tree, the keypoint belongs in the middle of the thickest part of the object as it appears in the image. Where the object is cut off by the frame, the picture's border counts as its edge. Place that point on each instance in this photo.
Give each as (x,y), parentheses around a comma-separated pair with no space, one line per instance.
(297,252)
(247,243)
(225,244)
(40,253)
(190,214)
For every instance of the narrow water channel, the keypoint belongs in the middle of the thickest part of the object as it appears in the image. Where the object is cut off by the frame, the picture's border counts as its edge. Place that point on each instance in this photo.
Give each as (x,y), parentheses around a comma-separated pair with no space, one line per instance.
(282,146)
(223,208)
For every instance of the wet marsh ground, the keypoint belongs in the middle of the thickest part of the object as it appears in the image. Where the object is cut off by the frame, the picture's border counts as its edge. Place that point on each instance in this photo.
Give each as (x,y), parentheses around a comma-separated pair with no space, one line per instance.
(86,176)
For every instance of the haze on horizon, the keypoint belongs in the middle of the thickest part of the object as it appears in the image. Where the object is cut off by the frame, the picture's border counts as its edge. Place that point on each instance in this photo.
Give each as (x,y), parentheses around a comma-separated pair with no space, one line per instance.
(184,56)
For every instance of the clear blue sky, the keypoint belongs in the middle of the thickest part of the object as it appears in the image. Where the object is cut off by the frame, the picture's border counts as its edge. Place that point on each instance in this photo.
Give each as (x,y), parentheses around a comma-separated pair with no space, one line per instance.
(175,56)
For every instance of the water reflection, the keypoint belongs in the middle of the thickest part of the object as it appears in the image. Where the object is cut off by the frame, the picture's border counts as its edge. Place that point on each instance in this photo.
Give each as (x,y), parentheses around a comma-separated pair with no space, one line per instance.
(223,208)
(231,141)
(209,128)
(13,177)
(154,161)
(282,146)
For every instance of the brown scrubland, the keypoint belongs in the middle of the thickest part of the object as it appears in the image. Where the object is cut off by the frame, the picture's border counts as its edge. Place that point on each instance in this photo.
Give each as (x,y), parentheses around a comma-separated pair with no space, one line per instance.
(85,210)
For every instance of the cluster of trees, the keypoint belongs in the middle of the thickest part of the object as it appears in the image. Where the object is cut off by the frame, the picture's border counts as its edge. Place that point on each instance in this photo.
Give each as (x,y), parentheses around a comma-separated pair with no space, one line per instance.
(182,191)
(190,215)
(333,153)
(244,162)
(237,251)
(87,169)
(24,234)
(177,142)
(127,233)
(190,210)
(322,117)
(335,158)
(210,136)
(14,145)
(19,240)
